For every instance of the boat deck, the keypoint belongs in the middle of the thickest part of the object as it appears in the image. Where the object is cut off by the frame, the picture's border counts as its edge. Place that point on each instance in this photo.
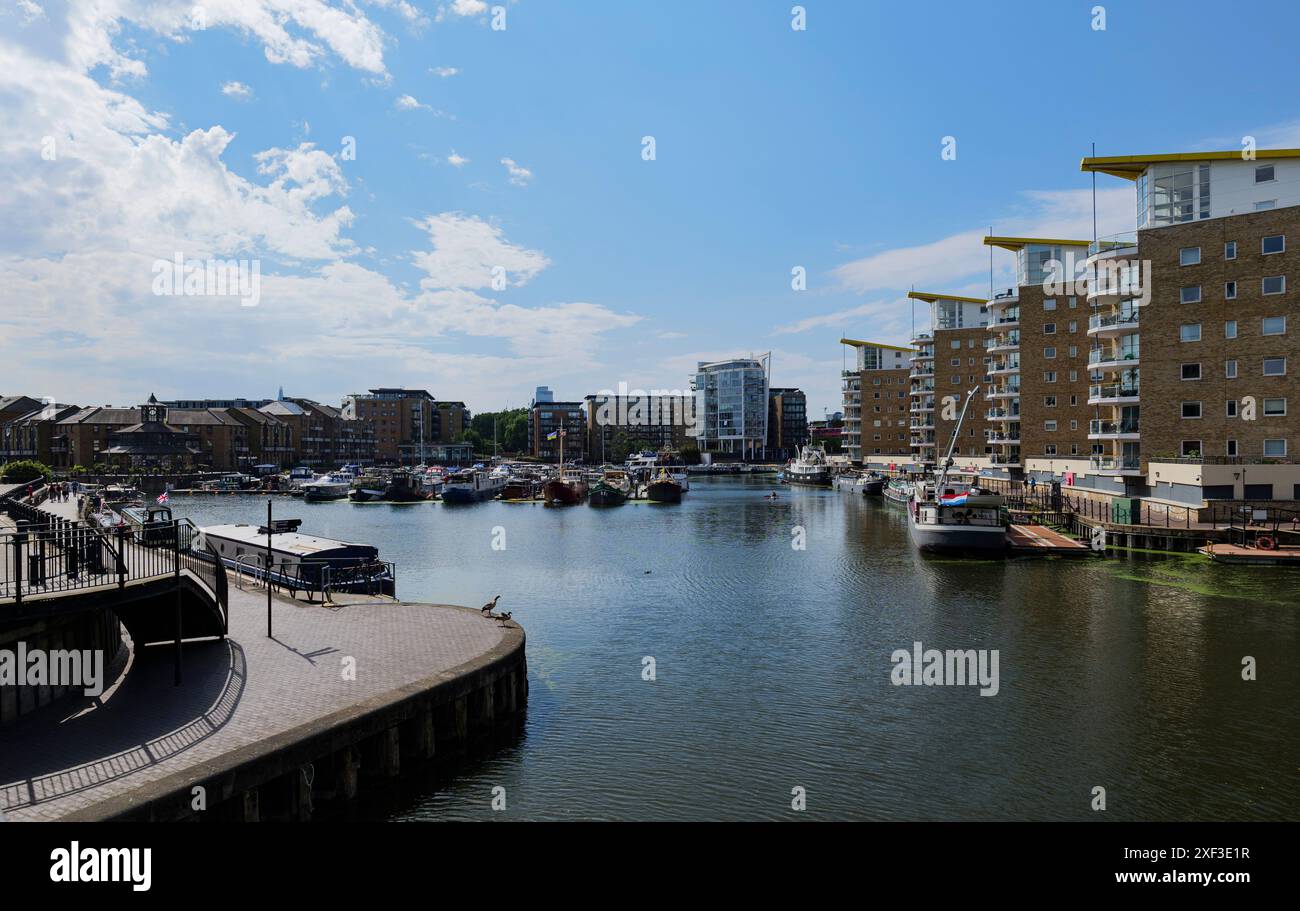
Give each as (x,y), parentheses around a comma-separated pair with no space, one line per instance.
(1285,555)
(1039,540)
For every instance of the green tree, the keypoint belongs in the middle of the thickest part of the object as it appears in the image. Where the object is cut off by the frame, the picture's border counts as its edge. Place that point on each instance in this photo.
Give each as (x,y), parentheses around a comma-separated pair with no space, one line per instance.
(23,471)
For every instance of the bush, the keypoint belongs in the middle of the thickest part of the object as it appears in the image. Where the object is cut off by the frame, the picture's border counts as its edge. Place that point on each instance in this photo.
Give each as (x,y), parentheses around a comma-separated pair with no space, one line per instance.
(23,471)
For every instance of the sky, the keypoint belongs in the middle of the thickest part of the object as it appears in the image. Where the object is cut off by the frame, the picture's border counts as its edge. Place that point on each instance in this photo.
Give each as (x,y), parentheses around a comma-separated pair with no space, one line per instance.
(459,195)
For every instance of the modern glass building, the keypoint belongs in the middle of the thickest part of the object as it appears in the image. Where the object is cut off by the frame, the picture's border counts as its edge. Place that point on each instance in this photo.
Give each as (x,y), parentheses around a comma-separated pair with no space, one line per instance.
(731,406)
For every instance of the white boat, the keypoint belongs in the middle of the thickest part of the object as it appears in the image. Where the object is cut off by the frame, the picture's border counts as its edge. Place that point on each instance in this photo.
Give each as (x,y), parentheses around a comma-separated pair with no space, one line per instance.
(809,468)
(303,561)
(473,485)
(947,518)
(326,487)
(646,465)
(300,476)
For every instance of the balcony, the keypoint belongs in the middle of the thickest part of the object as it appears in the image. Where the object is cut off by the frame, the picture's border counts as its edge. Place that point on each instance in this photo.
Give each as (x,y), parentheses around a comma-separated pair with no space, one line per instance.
(1003,392)
(1002,414)
(922,408)
(1008,319)
(1008,342)
(1003,439)
(1004,298)
(1114,394)
(1113,430)
(1112,324)
(1109,465)
(1005,461)
(1112,359)
(922,338)
(918,373)
(922,356)
(922,425)
(922,387)
(1005,366)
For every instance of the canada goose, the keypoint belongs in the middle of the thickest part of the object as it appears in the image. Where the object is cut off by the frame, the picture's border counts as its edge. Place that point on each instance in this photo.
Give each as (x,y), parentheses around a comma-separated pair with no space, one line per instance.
(486,609)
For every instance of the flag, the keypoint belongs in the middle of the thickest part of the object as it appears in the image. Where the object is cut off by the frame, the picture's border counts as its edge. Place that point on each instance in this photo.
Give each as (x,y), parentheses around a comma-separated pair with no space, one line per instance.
(553,434)
(163,498)
(953,499)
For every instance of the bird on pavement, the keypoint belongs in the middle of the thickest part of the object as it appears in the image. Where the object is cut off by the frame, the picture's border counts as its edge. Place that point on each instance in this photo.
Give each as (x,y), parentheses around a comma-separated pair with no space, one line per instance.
(486,609)
(504,617)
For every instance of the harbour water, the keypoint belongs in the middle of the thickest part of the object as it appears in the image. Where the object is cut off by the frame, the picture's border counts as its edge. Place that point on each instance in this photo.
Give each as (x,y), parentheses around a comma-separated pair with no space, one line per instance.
(772,664)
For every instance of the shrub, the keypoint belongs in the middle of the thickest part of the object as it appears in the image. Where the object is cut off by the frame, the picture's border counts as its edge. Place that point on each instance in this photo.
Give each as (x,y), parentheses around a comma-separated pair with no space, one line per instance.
(23,471)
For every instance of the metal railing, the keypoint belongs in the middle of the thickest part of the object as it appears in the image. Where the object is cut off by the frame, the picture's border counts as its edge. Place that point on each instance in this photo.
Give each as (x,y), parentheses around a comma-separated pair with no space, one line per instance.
(1113,242)
(1107,427)
(1113,391)
(1121,320)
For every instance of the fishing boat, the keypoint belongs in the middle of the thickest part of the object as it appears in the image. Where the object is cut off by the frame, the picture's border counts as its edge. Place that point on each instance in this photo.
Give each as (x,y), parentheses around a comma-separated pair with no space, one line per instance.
(568,488)
(664,489)
(809,468)
(948,518)
(612,489)
(326,487)
(472,485)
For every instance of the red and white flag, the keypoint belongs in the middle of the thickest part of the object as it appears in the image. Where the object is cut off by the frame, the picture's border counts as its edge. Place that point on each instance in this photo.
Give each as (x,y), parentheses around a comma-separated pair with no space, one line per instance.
(163,498)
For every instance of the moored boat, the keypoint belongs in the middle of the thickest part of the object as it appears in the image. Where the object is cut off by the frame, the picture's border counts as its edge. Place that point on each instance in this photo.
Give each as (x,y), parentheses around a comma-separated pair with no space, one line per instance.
(472,485)
(565,489)
(612,489)
(326,487)
(898,491)
(810,468)
(664,489)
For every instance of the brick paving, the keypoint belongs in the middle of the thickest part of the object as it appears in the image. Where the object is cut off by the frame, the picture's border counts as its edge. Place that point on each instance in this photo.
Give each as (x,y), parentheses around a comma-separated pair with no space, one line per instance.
(234,693)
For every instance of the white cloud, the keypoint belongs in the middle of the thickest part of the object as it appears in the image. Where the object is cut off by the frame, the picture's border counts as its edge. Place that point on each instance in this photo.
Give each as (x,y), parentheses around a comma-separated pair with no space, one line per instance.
(464,8)
(236,90)
(457,161)
(519,176)
(468,253)
(443,72)
(408,103)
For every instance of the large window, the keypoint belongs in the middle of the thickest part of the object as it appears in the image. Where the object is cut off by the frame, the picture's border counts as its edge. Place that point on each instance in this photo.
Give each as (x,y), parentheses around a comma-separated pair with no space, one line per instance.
(1191,294)
(1189,256)
(1275,449)
(1191,371)
(1274,325)
(1275,243)
(1192,410)
(1264,173)
(1189,332)
(1274,366)
(1274,408)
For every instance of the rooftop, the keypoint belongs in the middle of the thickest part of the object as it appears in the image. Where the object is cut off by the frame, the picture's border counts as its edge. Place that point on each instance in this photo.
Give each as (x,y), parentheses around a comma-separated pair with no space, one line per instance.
(858,343)
(930,297)
(1018,243)
(1130,167)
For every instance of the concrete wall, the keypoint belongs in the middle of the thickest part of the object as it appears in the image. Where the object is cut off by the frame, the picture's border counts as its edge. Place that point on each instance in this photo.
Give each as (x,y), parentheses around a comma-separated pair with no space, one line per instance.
(94,630)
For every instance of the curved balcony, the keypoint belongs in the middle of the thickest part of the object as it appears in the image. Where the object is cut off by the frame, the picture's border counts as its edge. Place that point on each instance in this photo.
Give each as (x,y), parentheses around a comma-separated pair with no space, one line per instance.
(1005,367)
(1113,394)
(1005,461)
(1112,324)
(922,373)
(1109,465)
(1110,359)
(1002,414)
(1009,342)
(1010,438)
(1003,392)
(922,408)
(1113,430)
(1005,298)
(922,338)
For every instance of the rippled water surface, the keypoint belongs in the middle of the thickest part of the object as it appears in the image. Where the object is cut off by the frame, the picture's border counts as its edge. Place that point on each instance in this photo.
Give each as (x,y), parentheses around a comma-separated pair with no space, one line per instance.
(773,665)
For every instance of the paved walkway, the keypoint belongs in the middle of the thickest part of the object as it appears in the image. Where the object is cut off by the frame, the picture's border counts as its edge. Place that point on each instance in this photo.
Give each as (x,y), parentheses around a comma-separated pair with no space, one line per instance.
(235,693)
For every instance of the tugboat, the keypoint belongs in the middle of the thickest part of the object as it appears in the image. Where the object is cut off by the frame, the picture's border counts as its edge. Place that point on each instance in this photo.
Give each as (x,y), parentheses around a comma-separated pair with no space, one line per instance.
(664,489)
(945,519)
(612,489)
(568,488)
(810,468)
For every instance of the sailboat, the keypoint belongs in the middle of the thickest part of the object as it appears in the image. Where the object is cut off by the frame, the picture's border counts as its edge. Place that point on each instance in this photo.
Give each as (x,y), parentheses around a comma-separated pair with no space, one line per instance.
(948,518)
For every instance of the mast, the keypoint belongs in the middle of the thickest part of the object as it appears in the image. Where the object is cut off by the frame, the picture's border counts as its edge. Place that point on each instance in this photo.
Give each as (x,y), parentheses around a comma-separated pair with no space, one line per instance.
(956,433)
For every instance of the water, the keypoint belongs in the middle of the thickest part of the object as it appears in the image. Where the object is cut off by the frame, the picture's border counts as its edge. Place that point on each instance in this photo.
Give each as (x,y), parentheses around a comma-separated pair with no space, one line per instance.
(773,665)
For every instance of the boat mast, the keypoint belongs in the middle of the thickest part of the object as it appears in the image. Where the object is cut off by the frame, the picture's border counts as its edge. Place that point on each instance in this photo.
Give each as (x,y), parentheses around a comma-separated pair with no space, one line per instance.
(947,461)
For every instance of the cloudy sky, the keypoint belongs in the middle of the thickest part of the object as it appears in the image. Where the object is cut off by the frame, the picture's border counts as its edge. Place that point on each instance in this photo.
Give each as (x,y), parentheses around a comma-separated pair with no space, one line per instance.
(457,196)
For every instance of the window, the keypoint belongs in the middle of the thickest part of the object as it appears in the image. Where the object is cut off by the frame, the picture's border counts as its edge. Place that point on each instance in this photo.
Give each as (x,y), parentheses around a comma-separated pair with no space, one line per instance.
(1049,303)
(1049,401)
(1230,369)
(1189,256)
(1072,326)
(1274,325)
(1191,371)
(955,362)
(1275,243)
(1074,302)
(1265,205)
(1074,400)
(956,344)
(1230,329)
(1049,449)
(1274,366)
(1264,173)
(1192,410)
(1230,449)
(1049,376)
(1274,408)
(1275,449)
(1049,328)
(1231,408)
(1190,448)
(1230,291)
(1191,294)
(1189,332)
(1074,376)
(1049,354)
(1074,425)
(1049,426)
(1230,250)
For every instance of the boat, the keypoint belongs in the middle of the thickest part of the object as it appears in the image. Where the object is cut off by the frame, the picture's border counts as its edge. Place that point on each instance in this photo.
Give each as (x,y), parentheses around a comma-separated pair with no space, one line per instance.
(150,524)
(809,468)
(646,464)
(947,518)
(472,485)
(860,483)
(404,487)
(299,561)
(612,489)
(664,489)
(326,487)
(568,488)
(520,488)
(898,490)
(369,488)
(121,493)
(300,476)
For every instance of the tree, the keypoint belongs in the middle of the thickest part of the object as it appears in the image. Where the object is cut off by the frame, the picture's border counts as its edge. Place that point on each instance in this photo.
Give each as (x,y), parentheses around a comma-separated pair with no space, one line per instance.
(23,471)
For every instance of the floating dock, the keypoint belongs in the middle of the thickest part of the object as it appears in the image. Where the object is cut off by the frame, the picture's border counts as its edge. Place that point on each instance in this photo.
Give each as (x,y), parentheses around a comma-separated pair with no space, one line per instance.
(1284,555)
(270,728)
(1039,540)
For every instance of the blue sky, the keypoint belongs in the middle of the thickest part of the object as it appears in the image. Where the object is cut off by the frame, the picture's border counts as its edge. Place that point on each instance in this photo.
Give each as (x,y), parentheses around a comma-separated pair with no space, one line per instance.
(521,148)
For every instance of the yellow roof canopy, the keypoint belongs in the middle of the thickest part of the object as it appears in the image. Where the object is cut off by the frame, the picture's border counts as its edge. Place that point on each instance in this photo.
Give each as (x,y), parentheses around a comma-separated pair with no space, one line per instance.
(930,297)
(1130,167)
(858,343)
(1016,243)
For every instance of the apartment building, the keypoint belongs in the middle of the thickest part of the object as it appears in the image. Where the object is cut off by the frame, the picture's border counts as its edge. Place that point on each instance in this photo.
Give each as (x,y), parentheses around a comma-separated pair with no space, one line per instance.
(1040,346)
(31,436)
(731,406)
(787,423)
(324,437)
(615,422)
(402,421)
(878,420)
(1194,314)
(952,359)
(563,419)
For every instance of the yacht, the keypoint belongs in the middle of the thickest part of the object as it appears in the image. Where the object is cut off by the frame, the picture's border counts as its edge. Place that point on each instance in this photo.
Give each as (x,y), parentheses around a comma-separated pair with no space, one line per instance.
(809,468)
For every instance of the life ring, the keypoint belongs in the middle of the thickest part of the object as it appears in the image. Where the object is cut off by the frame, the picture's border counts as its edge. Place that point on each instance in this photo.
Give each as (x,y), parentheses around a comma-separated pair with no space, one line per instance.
(1264,542)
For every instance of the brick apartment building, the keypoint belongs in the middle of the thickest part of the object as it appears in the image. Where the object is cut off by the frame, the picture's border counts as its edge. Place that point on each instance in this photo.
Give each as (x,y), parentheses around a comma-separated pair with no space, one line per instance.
(951,360)
(878,420)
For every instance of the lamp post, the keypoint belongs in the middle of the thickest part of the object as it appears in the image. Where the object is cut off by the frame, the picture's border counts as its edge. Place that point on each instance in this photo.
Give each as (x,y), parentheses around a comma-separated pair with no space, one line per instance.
(268,568)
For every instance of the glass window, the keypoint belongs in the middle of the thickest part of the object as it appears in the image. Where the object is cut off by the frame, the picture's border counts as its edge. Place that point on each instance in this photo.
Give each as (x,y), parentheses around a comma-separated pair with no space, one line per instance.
(1191,371)
(1049,328)
(1049,353)
(1274,408)
(1230,448)
(1230,329)
(1191,294)
(1049,401)
(1189,256)
(1230,250)
(1274,366)
(1265,205)
(1264,173)
(1232,408)
(1230,291)
(1274,325)
(1275,449)
(1049,303)
(1191,448)
(1049,426)
(1191,410)
(1049,376)
(1189,332)
(1230,369)
(1275,243)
